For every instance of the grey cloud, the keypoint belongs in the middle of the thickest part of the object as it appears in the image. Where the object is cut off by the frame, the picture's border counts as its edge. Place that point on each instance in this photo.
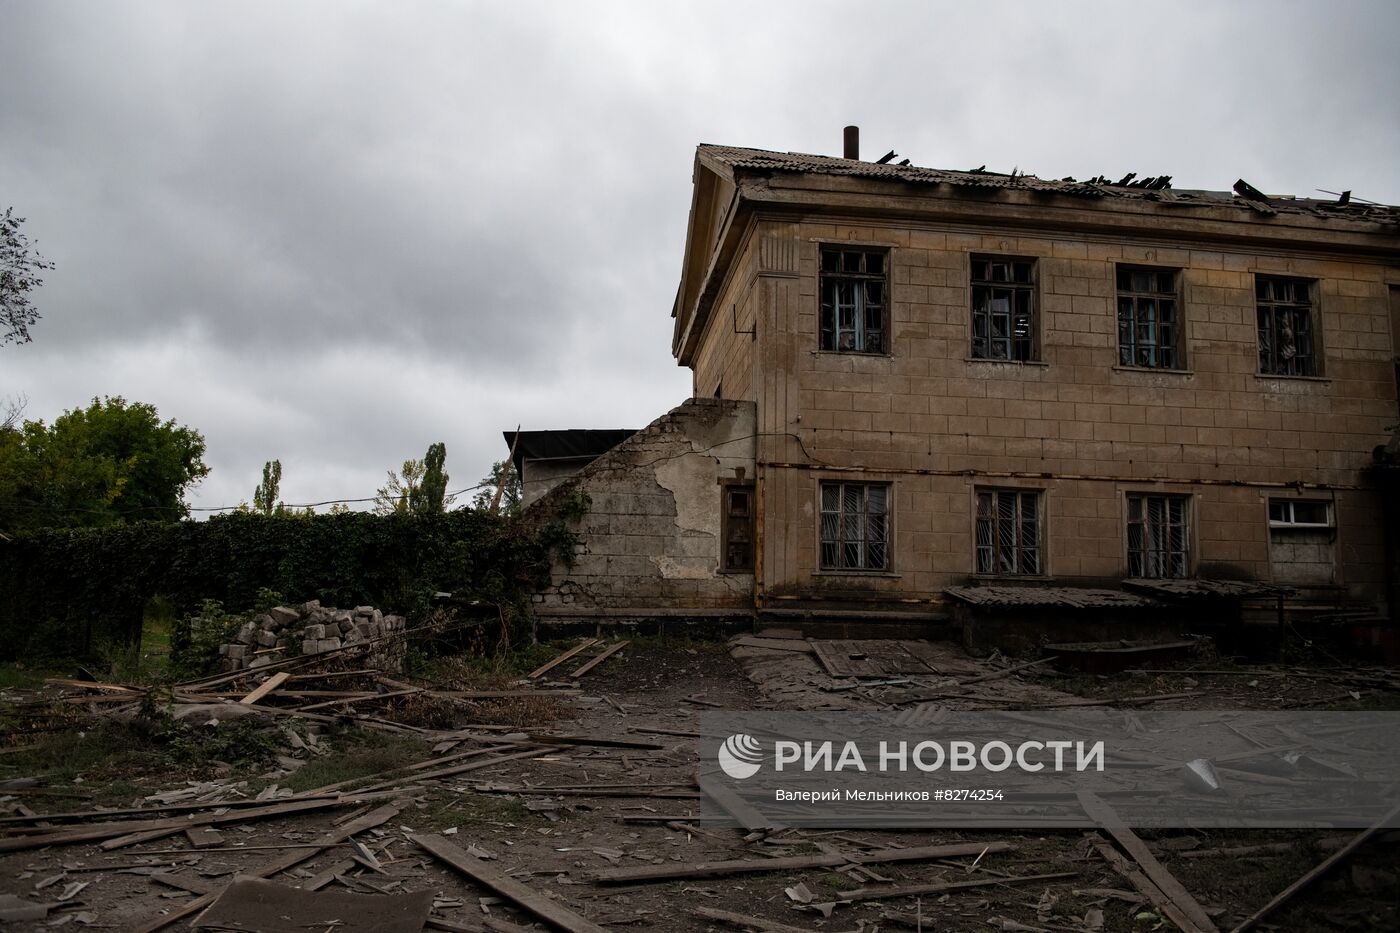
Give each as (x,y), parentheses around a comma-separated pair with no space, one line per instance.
(334,233)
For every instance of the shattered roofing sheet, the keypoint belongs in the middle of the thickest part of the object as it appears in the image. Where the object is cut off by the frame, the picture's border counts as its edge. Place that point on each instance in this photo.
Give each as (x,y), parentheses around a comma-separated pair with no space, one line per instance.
(1205,589)
(761,159)
(1041,596)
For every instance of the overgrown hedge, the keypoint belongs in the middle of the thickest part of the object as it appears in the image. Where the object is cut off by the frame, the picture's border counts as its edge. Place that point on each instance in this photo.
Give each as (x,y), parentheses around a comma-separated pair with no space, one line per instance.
(66,592)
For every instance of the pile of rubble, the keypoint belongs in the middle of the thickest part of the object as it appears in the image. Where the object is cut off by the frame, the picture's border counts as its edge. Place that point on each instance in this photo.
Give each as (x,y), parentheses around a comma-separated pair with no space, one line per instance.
(310,629)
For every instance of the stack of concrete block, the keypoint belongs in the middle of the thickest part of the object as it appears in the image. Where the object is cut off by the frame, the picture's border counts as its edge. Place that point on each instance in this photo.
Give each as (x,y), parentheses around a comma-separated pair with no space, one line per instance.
(311,629)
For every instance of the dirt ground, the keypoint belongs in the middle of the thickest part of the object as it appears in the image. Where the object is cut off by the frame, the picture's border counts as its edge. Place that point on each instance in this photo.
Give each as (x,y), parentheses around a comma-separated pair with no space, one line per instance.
(519,814)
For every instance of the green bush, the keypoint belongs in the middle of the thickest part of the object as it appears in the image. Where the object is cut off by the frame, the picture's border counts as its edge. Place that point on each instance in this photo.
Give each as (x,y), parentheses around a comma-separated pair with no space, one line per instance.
(62,591)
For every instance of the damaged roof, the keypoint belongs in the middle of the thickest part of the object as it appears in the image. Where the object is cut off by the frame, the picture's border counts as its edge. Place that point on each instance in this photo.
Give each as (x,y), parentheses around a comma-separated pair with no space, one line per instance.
(1033,596)
(1157,190)
(568,444)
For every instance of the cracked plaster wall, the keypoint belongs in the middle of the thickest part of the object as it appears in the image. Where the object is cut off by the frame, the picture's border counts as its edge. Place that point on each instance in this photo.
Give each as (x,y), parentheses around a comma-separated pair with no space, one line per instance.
(651,536)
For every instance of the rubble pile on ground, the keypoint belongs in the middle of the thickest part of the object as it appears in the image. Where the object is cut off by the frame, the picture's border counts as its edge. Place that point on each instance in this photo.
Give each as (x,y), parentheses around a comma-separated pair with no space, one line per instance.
(309,629)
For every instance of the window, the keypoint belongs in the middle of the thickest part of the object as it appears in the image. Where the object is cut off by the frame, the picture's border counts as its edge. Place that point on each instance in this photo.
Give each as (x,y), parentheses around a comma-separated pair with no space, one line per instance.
(1008,531)
(1158,537)
(1298,513)
(737,528)
(853,300)
(1302,542)
(1003,308)
(1149,329)
(1287,338)
(855,526)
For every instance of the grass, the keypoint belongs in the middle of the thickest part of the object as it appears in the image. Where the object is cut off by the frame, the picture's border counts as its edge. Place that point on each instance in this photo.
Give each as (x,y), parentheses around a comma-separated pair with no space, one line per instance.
(356,753)
(116,762)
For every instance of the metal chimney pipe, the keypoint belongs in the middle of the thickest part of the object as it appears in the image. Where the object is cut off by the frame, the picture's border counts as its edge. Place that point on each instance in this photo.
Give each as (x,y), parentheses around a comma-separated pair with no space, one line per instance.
(852,143)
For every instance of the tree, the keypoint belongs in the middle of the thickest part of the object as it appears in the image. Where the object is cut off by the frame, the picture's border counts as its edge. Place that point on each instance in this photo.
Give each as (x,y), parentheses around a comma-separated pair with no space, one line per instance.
(19,275)
(420,486)
(401,490)
(432,492)
(510,496)
(110,463)
(265,496)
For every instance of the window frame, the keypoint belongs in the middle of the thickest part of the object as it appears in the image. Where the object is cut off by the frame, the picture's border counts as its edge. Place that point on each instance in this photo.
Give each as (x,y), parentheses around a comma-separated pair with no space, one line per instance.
(1291,523)
(1136,297)
(1146,566)
(1272,306)
(829,306)
(1018,547)
(840,542)
(1030,288)
(727,520)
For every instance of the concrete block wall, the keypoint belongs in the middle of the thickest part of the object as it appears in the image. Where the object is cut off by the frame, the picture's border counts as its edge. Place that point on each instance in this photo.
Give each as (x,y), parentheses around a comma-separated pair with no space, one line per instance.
(651,536)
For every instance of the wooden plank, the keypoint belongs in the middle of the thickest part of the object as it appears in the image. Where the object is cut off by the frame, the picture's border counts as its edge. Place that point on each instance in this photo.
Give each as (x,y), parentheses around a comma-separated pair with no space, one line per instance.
(352,700)
(192,885)
(269,685)
(1317,872)
(730,802)
(940,887)
(606,653)
(550,911)
(551,665)
(1104,815)
(370,820)
(797,862)
(320,880)
(455,769)
(167,827)
(744,921)
(1142,884)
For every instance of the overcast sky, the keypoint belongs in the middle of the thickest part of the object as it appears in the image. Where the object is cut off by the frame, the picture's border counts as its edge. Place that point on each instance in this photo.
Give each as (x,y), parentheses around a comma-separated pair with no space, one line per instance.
(334,233)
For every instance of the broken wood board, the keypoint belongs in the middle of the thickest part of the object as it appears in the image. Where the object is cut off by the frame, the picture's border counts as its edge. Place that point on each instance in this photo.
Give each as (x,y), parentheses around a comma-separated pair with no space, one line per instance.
(1316,872)
(572,652)
(1144,886)
(168,827)
(550,911)
(291,860)
(454,769)
(730,802)
(941,887)
(602,656)
(269,685)
(745,922)
(797,862)
(259,906)
(1102,814)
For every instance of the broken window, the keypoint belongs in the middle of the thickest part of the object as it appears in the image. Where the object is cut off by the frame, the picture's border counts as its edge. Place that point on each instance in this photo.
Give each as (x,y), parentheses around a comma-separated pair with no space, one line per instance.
(853,300)
(1148,327)
(1003,308)
(1287,345)
(855,526)
(1158,535)
(1008,531)
(737,528)
(1302,541)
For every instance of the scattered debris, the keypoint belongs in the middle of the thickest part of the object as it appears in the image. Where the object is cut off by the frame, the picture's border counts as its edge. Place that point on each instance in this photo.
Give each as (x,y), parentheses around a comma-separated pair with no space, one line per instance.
(260,906)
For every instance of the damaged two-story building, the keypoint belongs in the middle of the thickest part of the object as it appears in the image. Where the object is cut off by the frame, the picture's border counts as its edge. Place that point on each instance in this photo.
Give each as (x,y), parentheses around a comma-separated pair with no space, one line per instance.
(909,380)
